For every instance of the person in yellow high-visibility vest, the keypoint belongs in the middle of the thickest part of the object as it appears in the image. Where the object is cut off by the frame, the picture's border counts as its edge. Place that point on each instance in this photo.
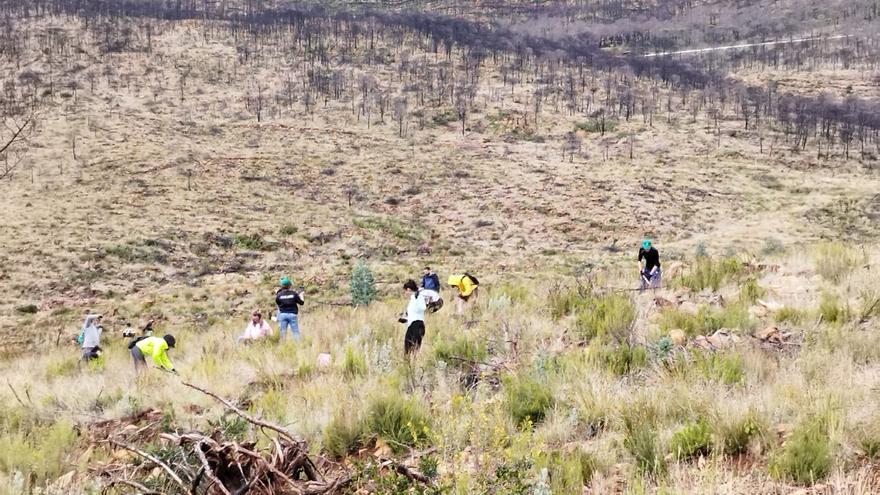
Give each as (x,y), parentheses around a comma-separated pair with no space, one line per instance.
(157,349)
(467,286)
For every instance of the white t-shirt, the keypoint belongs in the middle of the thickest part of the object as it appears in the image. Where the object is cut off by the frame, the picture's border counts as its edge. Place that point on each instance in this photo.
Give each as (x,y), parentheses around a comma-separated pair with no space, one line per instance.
(415,310)
(256,331)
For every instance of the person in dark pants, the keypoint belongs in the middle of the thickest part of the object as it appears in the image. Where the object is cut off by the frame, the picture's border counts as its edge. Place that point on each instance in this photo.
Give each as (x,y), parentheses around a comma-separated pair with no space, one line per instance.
(288,301)
(649,272)
(414,318)
(430,280)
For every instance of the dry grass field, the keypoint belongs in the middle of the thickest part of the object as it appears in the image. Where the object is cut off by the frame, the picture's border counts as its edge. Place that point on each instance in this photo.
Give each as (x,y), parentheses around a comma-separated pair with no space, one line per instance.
(180,183)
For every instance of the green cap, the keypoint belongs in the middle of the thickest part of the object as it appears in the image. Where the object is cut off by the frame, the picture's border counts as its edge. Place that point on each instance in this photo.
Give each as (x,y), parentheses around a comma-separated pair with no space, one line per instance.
(285,282)
(646,244)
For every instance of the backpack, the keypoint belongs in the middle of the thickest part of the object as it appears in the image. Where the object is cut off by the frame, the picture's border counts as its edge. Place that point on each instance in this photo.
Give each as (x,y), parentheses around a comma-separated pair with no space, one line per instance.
(135,340)
(473,278)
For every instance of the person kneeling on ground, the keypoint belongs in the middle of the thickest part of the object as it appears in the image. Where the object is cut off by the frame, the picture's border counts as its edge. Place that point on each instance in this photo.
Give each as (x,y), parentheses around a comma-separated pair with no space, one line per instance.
(288,301)
(467,286)
(650,272)
(257,329)
(90,337)
(414,318)
(155,347)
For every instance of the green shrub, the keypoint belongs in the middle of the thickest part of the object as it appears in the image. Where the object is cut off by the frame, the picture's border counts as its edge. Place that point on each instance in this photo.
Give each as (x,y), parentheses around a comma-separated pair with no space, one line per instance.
(289,230)
(253,242)
(398,421)
(707,320)
(353,363)
(641,442)
(707,273)
(526,399)
(736,434)
(517,293)
(62,367)
(772,247)
(363,286)
(344,434)
(620,359)
(27,309)
(726,368)
(569,472)
(692,440)
(605,315)
(750,291)
(831,309)
(833,261)
(805,458)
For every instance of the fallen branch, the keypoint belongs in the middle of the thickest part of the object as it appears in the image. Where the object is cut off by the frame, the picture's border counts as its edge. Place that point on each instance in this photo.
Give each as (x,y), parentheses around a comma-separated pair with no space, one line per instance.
(152,459)
(259,422)
(137,486)
(208,471)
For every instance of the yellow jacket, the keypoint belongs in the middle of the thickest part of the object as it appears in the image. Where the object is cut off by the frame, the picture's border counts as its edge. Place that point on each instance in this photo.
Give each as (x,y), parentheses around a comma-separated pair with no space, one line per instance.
(464,284)
(156,348)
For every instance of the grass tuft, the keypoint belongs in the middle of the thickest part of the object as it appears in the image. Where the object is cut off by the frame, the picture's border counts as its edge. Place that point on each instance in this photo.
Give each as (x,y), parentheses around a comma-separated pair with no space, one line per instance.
(692,440)
(834,261)
(527,399)
(805,458)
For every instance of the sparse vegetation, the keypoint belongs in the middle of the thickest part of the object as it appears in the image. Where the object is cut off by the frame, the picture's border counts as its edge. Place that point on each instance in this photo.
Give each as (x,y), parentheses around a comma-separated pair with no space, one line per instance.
(527,399)
(708,273)
(806,457)
(692,440)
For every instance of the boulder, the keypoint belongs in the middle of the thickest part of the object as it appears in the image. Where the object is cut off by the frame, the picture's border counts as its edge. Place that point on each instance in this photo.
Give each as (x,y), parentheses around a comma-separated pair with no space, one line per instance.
(677,336)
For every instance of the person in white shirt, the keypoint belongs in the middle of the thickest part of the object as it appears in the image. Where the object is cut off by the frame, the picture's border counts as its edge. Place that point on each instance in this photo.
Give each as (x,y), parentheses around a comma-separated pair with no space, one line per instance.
(91,337)
(257,329)
(414,318)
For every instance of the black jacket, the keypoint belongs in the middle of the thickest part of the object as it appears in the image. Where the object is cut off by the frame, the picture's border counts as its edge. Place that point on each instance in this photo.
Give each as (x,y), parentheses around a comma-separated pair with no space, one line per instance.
(288,301)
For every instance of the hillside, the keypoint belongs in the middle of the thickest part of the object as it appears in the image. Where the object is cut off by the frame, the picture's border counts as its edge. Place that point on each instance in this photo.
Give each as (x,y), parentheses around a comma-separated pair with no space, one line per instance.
(178,160)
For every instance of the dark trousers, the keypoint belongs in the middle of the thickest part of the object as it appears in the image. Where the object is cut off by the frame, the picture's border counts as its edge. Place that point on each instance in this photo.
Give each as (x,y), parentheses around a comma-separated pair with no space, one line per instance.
(413,339)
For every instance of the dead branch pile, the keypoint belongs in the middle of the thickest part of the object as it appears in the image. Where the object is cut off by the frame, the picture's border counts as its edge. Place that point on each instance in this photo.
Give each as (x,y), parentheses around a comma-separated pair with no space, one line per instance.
(198,464)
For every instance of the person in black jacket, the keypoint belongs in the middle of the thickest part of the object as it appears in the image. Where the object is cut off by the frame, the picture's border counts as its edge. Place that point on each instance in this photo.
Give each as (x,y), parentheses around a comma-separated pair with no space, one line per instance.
(430,280)
(288,302)
(650,271)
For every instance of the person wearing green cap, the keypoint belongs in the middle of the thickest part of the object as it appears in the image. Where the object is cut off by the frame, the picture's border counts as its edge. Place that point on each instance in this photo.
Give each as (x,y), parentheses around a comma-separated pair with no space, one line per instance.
(650,271)
(288,302)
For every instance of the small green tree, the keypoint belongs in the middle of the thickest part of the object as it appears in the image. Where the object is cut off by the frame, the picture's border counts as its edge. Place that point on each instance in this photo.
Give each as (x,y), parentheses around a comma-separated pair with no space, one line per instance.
(363,287)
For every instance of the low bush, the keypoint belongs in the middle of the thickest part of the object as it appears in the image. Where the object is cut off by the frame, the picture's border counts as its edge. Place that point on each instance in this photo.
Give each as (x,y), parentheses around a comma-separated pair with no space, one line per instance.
(253,242)
(527,400)
(640,440)
(41,454)
(726,368)
(692,440)
(750,291)
(353,363)
(707,320)
(460,351)
(805,457)
(788,314)
(563,302)
(62,367)
(398,421)
(737,433)
(569,472)
(289,230)
(707,273)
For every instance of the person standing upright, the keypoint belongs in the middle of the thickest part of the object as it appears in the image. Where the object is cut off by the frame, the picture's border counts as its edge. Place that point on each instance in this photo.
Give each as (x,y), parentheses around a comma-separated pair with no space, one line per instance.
(414,318)
(288,302)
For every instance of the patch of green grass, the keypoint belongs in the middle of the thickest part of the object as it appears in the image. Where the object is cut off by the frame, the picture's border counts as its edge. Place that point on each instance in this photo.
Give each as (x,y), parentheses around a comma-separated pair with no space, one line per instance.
(399,421)
(137,253)
(27,309)
(640,440)
(831,309)
(806,456)
(288,230)
(41,454)
(344,434)
(563,301)
(727,368)
(620,359)
(706,273)
(353,363)
(527,400)
(605,315)
(252,242)
(66,366)
(833,261)
(569,471)
(750,291)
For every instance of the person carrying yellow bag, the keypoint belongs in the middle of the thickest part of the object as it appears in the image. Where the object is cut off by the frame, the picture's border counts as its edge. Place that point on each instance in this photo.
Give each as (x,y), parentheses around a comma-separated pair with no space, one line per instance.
(467,286)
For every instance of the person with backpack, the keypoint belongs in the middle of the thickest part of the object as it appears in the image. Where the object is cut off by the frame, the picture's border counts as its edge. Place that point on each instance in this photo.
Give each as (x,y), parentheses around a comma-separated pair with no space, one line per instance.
(413,318)
(155,347)
(90,337)
(288,302)
(430,280)
(467,286)
(649,272)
